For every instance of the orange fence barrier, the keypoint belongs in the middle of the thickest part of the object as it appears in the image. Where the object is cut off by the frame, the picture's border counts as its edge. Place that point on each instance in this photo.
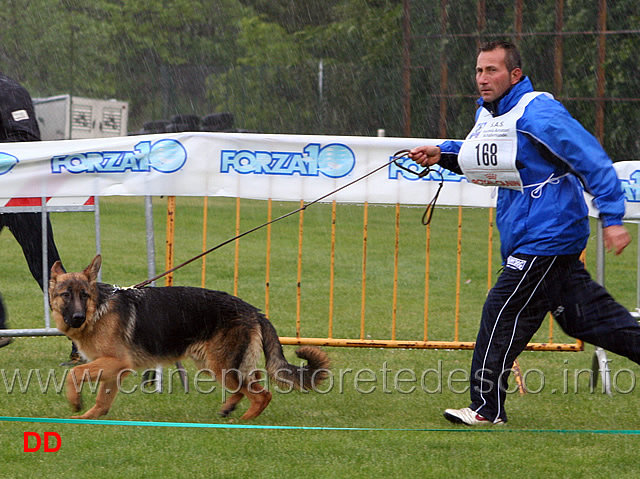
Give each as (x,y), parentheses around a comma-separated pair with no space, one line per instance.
(369,272)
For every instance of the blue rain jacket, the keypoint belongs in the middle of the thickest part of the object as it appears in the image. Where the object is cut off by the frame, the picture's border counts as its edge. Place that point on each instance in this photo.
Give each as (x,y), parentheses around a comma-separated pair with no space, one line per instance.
(550,141)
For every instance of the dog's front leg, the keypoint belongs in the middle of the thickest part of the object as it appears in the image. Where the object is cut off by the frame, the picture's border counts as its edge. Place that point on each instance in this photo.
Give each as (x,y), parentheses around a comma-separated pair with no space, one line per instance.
(74,389)
(106,395)
(108,372)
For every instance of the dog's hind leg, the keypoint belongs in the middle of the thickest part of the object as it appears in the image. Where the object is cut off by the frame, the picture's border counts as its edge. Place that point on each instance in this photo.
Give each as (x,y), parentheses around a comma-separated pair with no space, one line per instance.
(107,371)
(209,366)
(230,404)
(229,379)
(259,397)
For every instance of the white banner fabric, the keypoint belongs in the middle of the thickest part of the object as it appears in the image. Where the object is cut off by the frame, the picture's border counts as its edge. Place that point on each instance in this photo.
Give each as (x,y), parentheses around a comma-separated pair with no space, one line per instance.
(255,166)
(246,165)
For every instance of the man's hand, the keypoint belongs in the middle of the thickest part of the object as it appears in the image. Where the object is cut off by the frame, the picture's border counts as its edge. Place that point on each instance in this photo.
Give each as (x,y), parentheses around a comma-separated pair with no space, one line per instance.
(616,238)
(425,155)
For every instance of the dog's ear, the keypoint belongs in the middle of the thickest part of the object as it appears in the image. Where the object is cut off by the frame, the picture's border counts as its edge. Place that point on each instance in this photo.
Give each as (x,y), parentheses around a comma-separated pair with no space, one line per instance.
(91,271)
(56,270)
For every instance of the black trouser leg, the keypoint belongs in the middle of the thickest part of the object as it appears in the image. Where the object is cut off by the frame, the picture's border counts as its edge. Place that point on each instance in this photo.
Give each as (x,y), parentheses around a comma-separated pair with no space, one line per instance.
(27,229)
(585,310)
(517,305)
(512,313)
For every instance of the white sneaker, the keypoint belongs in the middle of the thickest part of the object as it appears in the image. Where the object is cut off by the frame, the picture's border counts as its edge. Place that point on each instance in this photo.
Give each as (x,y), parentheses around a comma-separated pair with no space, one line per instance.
(469,417)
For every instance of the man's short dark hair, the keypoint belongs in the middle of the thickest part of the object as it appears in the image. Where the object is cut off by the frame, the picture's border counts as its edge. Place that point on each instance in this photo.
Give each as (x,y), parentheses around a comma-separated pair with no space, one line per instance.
(512,55)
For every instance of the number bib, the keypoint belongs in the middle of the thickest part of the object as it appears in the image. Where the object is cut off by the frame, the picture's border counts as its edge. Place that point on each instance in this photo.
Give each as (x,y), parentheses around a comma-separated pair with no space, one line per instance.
(488,154)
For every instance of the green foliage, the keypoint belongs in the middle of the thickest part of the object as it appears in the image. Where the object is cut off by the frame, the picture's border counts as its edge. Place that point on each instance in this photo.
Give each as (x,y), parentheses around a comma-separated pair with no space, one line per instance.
(293,15)
(331,67)
(296,82)
(270,87)
(579,66)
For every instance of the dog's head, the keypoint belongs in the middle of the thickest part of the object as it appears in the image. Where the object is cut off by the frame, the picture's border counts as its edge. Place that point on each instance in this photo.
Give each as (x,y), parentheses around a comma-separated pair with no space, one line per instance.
(72,296)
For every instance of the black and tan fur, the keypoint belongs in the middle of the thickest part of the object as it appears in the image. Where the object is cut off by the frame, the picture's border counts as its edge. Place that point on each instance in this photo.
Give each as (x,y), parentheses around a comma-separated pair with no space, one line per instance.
(127,329)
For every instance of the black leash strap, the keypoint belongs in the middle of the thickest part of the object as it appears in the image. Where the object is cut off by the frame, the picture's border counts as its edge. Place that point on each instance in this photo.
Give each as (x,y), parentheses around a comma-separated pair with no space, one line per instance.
(286,215)
(426,217)
(428,213)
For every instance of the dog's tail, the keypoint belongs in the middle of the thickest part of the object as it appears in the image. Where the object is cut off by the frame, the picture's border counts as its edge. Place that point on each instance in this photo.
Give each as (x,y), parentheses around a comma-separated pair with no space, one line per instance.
(300,377)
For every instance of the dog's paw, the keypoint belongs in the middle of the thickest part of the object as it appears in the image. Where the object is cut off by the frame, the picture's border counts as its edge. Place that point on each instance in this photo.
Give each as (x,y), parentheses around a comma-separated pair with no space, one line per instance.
(76,406)
(94,413)
(88,415)
(226,412)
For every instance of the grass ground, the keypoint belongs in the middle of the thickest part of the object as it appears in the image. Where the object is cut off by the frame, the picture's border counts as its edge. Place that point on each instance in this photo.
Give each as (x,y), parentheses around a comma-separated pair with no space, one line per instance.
(393,399)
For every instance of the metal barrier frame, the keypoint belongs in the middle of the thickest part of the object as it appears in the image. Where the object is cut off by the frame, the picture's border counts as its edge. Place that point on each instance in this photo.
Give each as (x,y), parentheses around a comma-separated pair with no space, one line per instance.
(599,362)
(425,343)
(44,209)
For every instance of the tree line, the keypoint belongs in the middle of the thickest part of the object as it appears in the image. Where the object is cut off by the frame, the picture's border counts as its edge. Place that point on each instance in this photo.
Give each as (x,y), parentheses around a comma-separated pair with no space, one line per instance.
(308,67)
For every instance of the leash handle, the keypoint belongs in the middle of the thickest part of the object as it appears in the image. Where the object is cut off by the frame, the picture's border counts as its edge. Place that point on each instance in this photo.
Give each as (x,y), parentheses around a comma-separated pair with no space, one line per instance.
(428,213)
(405,154)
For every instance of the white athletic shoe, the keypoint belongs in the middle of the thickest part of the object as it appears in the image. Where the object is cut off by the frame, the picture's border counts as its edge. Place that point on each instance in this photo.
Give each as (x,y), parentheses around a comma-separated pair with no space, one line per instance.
(469,417)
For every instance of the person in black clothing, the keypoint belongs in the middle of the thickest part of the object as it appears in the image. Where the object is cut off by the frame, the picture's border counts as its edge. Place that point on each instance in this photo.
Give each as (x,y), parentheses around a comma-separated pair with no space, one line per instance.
(18,123)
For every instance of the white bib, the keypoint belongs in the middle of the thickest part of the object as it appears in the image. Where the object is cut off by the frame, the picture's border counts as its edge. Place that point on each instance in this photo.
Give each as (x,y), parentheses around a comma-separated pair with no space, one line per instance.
(488,154)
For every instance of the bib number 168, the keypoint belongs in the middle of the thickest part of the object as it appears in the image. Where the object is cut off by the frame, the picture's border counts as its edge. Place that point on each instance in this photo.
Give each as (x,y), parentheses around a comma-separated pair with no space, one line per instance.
(487,154)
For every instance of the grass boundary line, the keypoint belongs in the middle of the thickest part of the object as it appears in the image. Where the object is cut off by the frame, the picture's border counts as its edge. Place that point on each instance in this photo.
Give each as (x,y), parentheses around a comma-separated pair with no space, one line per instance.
(102,422)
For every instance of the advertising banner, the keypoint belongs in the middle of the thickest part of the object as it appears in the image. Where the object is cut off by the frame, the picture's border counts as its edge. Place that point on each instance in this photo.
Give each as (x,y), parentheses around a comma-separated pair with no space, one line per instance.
(246,165)
(255,166)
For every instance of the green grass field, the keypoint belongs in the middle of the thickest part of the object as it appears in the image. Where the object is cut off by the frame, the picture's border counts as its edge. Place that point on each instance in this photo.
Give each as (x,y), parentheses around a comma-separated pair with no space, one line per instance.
(391,399)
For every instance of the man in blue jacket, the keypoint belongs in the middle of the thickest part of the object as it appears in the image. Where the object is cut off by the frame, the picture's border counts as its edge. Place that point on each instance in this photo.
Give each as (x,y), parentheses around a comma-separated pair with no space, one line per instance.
(527,144)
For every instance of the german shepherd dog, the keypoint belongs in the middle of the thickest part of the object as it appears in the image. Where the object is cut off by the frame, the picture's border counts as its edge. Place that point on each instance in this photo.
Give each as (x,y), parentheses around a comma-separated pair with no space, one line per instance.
(124,329)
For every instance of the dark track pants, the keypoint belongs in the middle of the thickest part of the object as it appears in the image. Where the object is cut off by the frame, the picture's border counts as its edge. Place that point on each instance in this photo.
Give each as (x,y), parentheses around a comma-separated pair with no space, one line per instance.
(528,288)
(27,229)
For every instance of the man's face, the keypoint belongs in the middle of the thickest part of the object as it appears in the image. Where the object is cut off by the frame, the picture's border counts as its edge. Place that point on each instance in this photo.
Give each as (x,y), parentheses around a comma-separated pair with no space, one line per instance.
(492,76)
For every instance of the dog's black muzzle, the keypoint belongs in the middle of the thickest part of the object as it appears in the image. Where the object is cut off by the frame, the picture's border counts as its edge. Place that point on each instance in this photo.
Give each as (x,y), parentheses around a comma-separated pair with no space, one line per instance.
(75,320)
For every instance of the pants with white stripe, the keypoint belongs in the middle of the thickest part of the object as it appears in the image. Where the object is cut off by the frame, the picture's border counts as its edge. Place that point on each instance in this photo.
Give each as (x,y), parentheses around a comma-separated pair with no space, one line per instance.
(516,307)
